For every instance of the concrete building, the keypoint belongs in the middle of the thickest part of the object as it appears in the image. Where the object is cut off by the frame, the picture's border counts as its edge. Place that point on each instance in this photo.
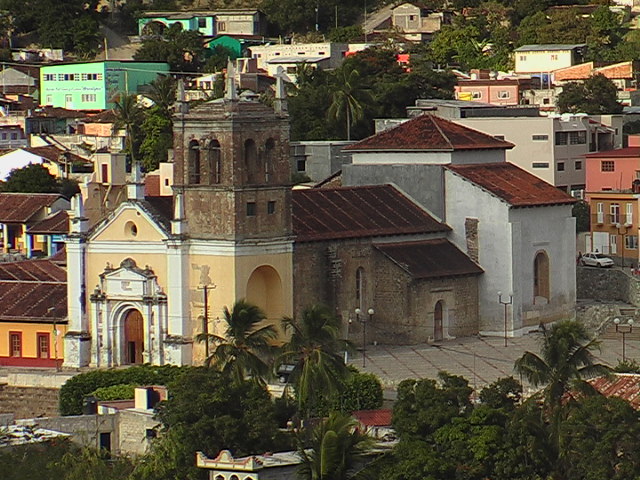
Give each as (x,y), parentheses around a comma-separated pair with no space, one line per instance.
(209,23)
(286,57)
(95,85)
(506,91)
(319,159)
(539,59)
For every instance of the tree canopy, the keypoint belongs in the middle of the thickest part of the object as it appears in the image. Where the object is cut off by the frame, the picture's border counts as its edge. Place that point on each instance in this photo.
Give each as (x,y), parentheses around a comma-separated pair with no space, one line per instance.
(596,96)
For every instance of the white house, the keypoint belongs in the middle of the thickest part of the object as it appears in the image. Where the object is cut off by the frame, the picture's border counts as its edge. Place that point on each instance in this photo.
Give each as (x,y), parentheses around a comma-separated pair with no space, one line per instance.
(538,59)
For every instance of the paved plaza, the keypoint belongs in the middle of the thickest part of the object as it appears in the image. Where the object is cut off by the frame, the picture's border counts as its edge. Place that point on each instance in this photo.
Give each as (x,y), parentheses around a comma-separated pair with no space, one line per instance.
(479,360)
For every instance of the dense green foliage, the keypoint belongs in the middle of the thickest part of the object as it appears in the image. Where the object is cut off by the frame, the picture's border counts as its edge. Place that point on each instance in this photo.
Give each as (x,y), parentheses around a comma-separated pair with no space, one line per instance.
(76,388)
(122,391)
(361,391)
(582,213)
(596,96)
(35,178)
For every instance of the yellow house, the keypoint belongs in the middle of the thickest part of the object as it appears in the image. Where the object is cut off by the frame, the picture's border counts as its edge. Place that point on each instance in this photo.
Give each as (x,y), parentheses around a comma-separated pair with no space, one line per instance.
(33,313)
(158,271)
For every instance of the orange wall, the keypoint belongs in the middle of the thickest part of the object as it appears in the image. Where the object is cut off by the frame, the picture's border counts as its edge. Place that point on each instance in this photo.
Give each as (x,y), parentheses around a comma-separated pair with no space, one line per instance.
(30,333)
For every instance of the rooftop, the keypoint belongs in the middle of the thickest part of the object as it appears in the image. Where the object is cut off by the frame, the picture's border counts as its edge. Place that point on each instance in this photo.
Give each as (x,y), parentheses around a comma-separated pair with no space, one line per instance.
(622,385)
(430,258)
(512,184)
(21,207)
(429,133)
(374,418)
(627,152)
(356,212)
(549,47)
(55,223)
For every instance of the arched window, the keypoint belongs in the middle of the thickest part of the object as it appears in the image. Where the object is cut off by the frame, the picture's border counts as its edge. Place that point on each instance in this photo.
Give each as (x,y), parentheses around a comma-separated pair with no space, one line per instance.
(359,287)
(269,153)
(195,173)
(541,275)
(215,161)
(251,161)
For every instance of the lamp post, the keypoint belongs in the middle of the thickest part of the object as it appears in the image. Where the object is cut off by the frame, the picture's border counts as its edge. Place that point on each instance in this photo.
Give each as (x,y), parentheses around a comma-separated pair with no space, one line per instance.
(622,231)
(505,303)
(623,329)
(363,321)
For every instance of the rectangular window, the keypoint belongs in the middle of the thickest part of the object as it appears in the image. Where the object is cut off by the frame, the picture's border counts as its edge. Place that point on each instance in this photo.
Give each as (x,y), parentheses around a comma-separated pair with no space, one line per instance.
(562,138)
(301,165)
(49,100)
(613,244)
(222,26)
(540,165)
(539,138)
(607,166)
(60,77)
(578,138)
(43,345)
(578,165)
(560,166)
(554,57)
(14,136)
(89,97)
(271,207)
(522,58)
(499,137)
(202,22)
(631,242)
(614,210)
(504,94)
(104,169)
(85,77)
(476,95)
(628,217)
(4,136)
(15,344)
(600,212)
(50,77)
(251,209)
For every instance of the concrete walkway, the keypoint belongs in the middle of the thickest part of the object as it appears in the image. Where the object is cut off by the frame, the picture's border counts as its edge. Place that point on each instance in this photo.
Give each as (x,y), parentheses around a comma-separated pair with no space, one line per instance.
(479,360)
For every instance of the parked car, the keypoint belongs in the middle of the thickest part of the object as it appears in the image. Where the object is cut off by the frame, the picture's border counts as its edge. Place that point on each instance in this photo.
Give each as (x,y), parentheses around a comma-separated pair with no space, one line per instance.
(596,260)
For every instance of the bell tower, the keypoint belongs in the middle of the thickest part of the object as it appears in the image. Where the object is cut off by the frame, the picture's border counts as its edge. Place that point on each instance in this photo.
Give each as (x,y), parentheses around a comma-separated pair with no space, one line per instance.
(232,167)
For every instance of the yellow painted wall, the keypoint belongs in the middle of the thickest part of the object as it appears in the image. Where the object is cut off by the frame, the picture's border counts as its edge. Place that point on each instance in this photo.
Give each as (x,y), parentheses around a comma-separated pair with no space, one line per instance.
(29,338)
(119,228)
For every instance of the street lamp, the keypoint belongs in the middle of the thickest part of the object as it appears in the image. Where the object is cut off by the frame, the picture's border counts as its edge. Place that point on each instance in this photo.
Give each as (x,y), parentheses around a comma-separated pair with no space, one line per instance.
(623,329)
(622,231)
(363,321)
(505,303)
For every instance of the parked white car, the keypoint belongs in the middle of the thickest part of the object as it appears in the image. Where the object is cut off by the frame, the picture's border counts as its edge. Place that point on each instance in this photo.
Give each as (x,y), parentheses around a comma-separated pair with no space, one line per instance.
(596,260)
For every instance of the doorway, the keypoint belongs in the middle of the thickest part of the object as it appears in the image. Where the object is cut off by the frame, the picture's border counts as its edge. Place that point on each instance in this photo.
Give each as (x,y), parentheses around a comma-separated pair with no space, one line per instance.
(133,337)
(437,322)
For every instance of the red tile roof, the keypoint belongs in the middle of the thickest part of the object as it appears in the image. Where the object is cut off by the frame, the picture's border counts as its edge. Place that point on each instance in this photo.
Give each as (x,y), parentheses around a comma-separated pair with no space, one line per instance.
(430,258)
(55,223)
(374,418)
(512,184)
(55,154)
(355,212)
(429,133)
(620,152)
(33,291)
(20,207)
(622,385)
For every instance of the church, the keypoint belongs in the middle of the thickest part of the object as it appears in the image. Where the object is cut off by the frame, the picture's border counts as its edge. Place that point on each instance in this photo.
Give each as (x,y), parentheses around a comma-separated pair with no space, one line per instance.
(409,260)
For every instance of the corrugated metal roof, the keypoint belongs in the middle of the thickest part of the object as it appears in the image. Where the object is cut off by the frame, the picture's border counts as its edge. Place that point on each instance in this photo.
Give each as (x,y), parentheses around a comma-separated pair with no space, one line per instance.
(622,385)
(512,184)
(354,212)
(20,207)
(429,133)
(374,418)
(549,47)
(430,258)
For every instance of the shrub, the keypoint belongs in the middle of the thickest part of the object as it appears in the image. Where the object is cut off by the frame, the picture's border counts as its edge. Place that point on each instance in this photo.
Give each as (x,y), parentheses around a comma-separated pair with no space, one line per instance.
(122,391)
(362,391)
(78,387)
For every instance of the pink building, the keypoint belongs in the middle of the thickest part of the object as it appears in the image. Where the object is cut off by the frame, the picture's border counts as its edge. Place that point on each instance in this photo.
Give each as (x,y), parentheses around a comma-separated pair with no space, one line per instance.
(506,91)
(613,170)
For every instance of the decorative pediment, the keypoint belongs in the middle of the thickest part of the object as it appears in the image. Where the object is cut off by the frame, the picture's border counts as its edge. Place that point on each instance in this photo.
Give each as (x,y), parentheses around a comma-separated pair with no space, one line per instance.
(129,281)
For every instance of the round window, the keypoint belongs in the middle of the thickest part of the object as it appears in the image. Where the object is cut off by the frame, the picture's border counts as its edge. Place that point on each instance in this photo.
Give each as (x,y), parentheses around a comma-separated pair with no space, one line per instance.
(131,229)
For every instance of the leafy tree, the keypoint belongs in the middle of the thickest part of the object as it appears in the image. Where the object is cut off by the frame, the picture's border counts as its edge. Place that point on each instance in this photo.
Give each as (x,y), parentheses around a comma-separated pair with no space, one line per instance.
(34,178)
(504,393)
(345,34)
(347,97)
(362,391)
(565,360)
(315,349)
(242,352)
(582,213)
(129,116)
(89,464)
(182,49)
(157,133)
(208,412)
(596,96)
(218,59)
(336,444)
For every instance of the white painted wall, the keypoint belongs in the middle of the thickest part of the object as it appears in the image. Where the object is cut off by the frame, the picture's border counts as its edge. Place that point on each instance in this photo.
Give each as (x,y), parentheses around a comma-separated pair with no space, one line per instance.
(542,61)
(402,158)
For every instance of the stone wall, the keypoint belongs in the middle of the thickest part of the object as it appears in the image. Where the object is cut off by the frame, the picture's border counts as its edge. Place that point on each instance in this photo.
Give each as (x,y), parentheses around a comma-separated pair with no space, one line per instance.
(84,429)
(608,285)
(28,402)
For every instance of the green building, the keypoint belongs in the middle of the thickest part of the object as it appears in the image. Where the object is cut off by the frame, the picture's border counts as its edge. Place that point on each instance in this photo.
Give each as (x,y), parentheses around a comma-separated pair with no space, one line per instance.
(95,85)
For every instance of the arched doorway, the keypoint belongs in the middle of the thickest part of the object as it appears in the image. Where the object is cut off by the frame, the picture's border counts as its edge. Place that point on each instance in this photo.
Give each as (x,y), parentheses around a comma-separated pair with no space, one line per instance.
(438,329)
(541,275)
(264,289)
(133,337)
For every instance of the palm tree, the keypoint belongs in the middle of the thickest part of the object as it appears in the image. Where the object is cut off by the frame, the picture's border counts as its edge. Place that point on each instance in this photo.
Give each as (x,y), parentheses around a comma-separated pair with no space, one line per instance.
(315,350)
(241,353)
(163,94)
(129,116)
(565,359)
(348,97)
(336,444)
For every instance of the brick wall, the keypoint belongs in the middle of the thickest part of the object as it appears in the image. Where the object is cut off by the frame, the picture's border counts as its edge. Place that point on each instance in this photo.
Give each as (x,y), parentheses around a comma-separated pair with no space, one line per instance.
(28,402)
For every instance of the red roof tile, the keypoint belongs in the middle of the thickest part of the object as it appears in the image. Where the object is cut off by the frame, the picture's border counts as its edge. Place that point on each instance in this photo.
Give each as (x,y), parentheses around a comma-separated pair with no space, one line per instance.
(55,223)
(374,418)
(354,212)
(430,258)
(512,184)
(20,207)
(620,152)
(55,154)
(33,291)
(429,133)
(623,385)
